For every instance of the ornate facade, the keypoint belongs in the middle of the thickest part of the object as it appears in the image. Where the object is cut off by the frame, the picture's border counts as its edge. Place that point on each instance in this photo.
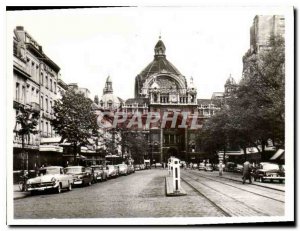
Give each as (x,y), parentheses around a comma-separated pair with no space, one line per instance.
(160,87)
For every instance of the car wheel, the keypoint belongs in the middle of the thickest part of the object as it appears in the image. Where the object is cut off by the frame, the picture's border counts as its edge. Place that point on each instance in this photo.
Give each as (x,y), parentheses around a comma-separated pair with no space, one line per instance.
(58,189)
(280,181)
(70,187)
(32,193)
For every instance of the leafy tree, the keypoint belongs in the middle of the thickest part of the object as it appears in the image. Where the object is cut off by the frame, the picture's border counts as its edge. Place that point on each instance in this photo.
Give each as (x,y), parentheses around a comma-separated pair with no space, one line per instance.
(261,93)
(28,119)
(74,120)
(254,112)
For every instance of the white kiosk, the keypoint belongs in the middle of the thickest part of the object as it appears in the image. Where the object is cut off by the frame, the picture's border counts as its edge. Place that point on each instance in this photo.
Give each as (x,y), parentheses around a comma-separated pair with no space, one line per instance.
(173,185)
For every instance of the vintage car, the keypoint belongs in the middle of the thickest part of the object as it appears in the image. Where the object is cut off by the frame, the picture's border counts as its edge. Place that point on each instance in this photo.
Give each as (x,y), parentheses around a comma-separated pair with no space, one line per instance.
(238,168)
(111,170)
(99,173)
(268,171)
(131,169)
(80,175)
(123,169)
(50,178)
(208,167)
(137,167)
(229,167)
(201,166)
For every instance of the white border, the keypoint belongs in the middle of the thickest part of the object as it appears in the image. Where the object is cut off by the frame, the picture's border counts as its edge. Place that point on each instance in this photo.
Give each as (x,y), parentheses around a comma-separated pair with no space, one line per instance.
(289,206)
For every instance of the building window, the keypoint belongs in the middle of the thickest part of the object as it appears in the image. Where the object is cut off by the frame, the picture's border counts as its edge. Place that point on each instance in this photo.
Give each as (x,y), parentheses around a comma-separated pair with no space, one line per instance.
(42,102)
(172,139)
(46,80)
(51,89)
(17,91)
(51,111)
(42,127)
(55,87)
(47,129)
(46,105)
(42,79)
(23,94)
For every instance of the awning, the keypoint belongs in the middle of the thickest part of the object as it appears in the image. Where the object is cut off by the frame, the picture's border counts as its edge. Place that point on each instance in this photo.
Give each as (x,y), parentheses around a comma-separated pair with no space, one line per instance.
(50,148)
(278,154)
(111,156)
(50,140)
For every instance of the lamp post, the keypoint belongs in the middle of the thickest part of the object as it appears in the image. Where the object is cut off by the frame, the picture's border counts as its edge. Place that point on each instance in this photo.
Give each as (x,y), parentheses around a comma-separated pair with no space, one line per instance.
(77,159)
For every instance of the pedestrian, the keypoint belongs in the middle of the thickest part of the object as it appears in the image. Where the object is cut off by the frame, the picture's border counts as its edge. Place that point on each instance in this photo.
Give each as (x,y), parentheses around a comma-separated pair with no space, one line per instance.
(220,168)
(247,172)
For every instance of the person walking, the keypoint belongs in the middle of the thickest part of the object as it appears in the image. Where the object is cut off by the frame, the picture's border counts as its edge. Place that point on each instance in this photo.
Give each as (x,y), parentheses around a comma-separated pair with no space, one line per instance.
(247,172)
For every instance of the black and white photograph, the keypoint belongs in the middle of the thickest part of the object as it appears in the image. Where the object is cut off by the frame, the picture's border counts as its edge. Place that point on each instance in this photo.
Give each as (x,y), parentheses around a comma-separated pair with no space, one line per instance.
(153,115)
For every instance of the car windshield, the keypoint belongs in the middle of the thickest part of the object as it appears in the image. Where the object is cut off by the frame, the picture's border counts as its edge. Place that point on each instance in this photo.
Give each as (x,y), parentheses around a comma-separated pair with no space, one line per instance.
(74,170)
(47,171)
(270,166)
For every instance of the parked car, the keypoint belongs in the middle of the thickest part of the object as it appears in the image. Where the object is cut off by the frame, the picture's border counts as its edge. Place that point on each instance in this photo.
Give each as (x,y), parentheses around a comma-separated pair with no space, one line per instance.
(137,167)
(131,169)
(208,167)
(194,166)
(229,166)
(80,175)
(182,164)
(157,165)
(111,170)
(201,166)
(98,173)
(50,178)
(123,169)
(142,166)
(238,168)
(268,171)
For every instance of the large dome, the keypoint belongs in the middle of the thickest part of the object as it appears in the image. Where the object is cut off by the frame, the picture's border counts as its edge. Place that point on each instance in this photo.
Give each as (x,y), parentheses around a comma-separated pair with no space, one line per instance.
(160,65)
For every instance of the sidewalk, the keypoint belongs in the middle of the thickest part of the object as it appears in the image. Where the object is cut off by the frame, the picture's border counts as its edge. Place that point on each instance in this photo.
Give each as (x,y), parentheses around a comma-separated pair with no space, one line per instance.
(18,194)
(238,177)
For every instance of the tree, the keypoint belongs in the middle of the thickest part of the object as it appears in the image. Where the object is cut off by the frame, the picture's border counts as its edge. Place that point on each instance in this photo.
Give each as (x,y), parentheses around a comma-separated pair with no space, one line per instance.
(254,112)
(74,120)
(261,93)
(28,119)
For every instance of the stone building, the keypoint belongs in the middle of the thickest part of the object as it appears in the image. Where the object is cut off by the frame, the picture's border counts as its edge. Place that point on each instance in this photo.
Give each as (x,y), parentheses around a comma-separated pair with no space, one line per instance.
(262,29)
(265,26)
(160,87)
(35,83)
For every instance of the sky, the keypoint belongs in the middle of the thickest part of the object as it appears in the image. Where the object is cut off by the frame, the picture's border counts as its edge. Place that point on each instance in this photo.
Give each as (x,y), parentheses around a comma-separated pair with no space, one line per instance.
(90,44)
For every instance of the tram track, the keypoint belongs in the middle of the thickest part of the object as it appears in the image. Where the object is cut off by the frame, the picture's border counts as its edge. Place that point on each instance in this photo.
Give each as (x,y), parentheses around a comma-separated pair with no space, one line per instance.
(233,208)
(226,214)
(241,188)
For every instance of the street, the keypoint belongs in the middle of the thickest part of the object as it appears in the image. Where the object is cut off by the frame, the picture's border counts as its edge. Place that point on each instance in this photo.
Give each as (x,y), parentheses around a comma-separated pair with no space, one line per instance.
(142,194)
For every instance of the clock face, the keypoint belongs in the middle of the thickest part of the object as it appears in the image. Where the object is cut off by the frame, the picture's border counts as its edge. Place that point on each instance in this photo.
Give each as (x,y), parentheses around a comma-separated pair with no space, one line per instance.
(174,98)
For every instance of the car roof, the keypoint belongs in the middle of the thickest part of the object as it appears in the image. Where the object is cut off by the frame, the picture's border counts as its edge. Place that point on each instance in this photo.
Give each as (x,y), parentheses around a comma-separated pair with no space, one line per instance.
(51,167)
(75,167)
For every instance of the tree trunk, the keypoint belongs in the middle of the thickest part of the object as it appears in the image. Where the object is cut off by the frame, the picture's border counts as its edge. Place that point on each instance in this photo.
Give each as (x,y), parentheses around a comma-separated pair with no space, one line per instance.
(245,152)
(75,150)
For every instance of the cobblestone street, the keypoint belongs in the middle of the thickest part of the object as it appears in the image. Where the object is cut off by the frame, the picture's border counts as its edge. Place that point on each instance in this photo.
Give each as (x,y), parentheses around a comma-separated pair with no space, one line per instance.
(142,194)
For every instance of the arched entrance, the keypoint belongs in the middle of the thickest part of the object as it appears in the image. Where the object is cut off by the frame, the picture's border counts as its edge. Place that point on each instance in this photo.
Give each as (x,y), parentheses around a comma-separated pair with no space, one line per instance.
(171,152)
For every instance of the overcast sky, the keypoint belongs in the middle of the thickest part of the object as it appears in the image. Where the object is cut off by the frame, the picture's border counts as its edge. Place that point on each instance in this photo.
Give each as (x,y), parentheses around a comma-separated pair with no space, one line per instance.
(90,44)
